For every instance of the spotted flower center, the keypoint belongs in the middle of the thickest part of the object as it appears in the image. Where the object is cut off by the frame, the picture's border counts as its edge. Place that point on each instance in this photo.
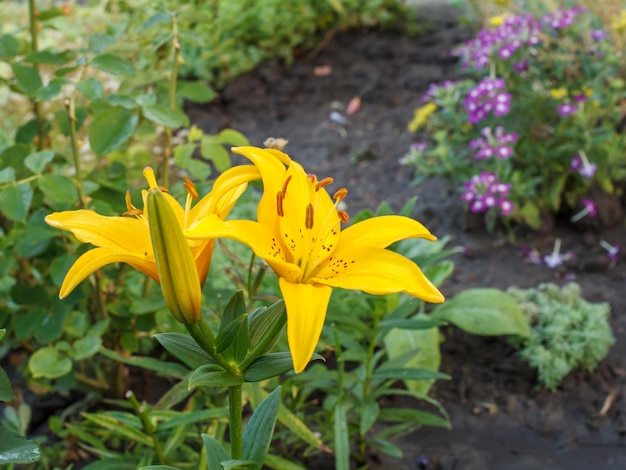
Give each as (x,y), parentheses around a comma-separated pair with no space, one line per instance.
(309,223)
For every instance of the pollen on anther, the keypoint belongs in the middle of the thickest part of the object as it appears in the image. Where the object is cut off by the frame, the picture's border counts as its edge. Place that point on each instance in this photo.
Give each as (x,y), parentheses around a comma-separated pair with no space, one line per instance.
(325,182)
(343,215)
(340,194)
(308,222)
(191,189)
(279,203)
(285,184)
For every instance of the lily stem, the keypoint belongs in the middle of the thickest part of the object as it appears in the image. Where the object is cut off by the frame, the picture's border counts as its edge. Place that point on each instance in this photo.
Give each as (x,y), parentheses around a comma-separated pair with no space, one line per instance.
(34,45)
(203,335)
(235,407)
(71,116)
(176,61)
(142,412)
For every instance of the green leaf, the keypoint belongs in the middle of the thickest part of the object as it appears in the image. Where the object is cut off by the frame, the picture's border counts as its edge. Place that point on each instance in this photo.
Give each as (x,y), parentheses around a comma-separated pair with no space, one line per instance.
(9,46)
(49,363)
(215,453)
(530,214)
(90,88)
(45,57)
(269,365)
(484,311)
(37,162)
(111,129)
(183,154)
(401,415)
(232,137)
(199,169)
(279,463)
(160,367)
(266,325)
(172,419)
(118,463)
(86,347)
(122,425)
(408,374)
(234,335)
(195,91)
(342,439)
(113,64)
(158,467)
(52,89)
(215,152)
(15,201)
(184,348)
(7,175)
(76,324)
(423,323)
(369,414)
(386,447)
(425,341)
(165,116)
(57,188)
(210,376)
(6,391)
(239,465)
(258,433)
(16,449)
(27,78)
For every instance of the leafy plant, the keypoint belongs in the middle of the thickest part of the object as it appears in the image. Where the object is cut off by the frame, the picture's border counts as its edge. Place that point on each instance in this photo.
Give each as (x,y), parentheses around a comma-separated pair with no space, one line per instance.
(566,333)
(542,89)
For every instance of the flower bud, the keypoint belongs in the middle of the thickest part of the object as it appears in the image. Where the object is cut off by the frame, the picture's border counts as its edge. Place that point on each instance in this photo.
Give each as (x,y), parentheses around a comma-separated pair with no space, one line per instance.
(178,275)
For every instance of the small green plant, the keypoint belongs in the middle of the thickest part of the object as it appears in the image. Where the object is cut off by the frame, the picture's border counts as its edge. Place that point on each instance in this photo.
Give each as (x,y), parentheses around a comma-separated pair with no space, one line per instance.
(567,332)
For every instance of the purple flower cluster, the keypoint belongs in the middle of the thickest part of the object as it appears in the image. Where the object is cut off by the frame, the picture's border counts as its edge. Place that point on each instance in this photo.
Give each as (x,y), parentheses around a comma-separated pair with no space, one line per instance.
(514,33)
(486,97)
(497,143)
(583,166)
(559,19)
(566,109)
(484,191)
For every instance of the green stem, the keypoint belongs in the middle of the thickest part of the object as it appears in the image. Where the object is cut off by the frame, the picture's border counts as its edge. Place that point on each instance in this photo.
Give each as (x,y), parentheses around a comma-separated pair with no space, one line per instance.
(203,335)
(69,106)
(34,45)
(176,61)
(141,409)
(235,408)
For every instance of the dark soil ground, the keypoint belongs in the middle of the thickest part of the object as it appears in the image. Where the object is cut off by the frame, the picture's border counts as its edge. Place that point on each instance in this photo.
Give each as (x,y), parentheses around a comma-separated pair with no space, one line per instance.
(501,418)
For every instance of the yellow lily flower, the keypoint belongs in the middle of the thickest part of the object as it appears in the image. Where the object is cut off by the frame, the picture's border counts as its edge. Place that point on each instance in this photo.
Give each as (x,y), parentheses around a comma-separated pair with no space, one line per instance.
(299,234)
(127,239)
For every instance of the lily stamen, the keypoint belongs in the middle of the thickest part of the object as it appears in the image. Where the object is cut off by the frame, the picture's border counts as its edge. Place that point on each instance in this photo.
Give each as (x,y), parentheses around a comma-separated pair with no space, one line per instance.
(308,221)
(279,204)
(325,182)
(340,194)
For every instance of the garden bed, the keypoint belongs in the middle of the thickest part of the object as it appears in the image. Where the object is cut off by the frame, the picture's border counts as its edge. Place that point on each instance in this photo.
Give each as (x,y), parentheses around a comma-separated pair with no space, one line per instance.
(501,418)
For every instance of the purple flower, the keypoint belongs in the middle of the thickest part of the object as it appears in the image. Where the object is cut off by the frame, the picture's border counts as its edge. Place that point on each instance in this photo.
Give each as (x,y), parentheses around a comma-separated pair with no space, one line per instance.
(531,255)
(581,164)
(485,98)
(612,251)
(598,34)
(555,258)
(566,109)
(559,19)
(493,143)
(507,40)
(589,208)
(483,192)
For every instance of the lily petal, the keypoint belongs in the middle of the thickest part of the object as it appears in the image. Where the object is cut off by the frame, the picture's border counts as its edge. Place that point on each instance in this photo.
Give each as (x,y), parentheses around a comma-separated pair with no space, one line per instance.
(96,258)
(257,236)
(376,271)
(117,233)
(380,232)
(306,310)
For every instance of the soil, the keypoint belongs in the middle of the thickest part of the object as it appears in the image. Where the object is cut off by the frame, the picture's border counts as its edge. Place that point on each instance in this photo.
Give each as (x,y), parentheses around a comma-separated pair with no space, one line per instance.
(501,418)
